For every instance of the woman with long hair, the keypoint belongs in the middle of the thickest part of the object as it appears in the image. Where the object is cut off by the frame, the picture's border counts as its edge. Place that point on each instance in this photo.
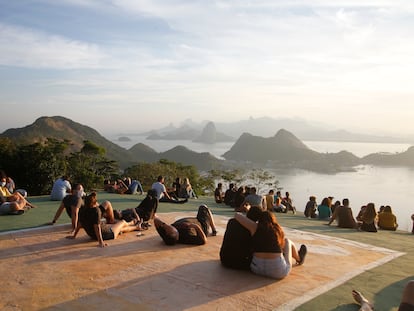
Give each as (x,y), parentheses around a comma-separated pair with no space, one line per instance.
(369,218)
(272,251)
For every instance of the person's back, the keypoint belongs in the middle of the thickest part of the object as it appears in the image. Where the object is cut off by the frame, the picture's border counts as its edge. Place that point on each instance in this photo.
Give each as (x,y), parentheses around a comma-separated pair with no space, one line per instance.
(236,249)
(345,218)
(387,220)
(60,189)
(88,217)
(324,211)
(148,207)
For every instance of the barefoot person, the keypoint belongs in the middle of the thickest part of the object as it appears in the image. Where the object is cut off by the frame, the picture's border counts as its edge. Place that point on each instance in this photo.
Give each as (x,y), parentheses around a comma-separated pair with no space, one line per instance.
(90,219)
(272,252)
(189,230)
(406,304)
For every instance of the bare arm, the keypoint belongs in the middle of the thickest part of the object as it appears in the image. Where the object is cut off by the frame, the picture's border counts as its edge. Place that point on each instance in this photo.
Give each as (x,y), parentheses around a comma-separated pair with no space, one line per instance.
(200,232)
(98,233)
(75,213)
(333,217)
(246,222)
(58,213)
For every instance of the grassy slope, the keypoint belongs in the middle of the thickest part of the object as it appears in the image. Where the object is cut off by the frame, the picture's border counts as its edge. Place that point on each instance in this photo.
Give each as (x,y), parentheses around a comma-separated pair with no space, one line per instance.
(382,285)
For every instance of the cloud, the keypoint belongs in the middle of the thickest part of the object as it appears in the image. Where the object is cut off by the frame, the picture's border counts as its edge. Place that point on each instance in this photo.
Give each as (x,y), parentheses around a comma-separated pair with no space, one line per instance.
(23,47)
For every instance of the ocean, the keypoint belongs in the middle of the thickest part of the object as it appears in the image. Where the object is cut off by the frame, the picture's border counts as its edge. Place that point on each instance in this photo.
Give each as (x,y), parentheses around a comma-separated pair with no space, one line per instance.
(381,185)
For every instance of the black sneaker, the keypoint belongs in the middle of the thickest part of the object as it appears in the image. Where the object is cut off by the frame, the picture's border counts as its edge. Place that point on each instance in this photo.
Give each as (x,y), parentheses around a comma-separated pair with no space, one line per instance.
(302,254)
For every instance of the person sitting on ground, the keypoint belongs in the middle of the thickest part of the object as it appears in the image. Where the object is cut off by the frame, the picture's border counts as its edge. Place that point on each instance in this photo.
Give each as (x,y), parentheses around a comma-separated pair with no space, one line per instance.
(134,186)
(10,184)
(230,195)
(369,219)
(176,185)
(324,209)
(272,252)
(90,220)
(72,204)
(189,230)
(187,189)
(236,249)
(279,207)
(343,216)
(254,199)
(270,200)
(218,193)
(387,220)
(360,213)
(61,187)
(12,203)
(287,201)
(406,302)
(148,207)
(311,207)
(335,205)
(163,195)
(239,198)
(412,218)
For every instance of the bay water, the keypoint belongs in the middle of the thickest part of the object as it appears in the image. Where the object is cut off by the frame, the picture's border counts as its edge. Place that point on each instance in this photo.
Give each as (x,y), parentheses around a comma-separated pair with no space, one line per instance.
(392,186)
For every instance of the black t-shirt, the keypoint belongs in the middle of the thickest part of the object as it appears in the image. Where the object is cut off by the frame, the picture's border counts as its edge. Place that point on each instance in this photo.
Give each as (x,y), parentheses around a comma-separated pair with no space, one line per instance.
(147,208)
(236,250)
(187,234)
(69,201)
(88,217)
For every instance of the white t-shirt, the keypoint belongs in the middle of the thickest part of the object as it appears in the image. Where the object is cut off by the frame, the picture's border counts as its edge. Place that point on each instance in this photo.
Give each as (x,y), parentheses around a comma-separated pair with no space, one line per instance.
(160,188)
(60,189)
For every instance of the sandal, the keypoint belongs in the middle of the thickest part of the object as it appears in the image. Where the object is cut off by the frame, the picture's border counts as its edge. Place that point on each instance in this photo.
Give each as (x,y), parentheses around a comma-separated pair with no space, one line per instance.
(302,254)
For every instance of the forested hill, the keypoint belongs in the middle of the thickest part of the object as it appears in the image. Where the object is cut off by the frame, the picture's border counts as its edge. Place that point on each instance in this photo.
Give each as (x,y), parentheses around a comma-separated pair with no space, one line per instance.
(61,128)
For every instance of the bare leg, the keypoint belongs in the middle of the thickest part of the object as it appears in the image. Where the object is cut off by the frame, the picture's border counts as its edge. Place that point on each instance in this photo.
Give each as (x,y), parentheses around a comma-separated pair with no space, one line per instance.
(365,305)
(289,251)
(109,212)
(123,227)
(211,221)
(408,293)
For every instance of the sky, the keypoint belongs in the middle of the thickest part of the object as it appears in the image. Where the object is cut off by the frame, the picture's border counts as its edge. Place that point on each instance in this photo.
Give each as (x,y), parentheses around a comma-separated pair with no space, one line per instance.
(134,65)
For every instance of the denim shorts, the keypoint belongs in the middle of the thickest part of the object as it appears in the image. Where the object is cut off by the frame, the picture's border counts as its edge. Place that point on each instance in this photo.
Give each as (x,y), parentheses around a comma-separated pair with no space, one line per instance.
(276,268)
(107,233)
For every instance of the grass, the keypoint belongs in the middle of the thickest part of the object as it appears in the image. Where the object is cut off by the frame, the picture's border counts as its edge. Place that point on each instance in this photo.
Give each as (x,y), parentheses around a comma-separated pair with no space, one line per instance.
(382,285)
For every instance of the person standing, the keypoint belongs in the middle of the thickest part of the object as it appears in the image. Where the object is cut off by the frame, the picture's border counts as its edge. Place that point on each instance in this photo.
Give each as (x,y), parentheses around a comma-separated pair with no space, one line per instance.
(61,187)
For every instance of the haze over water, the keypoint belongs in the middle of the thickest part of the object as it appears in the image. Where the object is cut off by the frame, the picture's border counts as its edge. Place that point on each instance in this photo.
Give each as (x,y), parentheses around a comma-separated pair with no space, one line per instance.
(380,185)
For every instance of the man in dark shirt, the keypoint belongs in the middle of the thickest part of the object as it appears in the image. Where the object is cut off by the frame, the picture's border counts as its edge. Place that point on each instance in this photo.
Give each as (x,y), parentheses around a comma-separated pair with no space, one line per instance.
(236,250)
(190,230)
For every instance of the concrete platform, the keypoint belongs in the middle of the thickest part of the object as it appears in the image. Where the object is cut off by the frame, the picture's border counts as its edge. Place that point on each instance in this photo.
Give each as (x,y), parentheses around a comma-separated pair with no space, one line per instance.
(42,270)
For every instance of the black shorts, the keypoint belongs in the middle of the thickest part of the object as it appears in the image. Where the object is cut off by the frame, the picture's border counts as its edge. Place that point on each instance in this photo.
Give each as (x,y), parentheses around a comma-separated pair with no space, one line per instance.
(107,233)
(406,307)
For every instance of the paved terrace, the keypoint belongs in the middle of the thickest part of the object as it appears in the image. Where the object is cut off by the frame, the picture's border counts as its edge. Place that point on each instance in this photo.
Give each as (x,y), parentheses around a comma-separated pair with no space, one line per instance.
(41,270)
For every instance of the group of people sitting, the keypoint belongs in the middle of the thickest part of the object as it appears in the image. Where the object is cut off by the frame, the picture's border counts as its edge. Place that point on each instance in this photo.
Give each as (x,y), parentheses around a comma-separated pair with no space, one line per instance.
(123,186)
(238,197)
(256,241)
(368,219)
(12,201)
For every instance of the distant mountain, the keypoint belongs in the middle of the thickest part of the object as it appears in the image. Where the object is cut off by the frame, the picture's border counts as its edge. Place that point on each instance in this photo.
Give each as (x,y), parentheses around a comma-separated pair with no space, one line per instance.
(203,161)
(209,135)
(62,128)
(286,150)
(398,159)
(281,150)
(266,126)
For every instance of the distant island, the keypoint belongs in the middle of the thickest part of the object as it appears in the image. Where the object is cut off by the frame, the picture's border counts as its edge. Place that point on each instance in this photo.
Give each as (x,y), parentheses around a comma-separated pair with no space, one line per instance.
(283,150)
